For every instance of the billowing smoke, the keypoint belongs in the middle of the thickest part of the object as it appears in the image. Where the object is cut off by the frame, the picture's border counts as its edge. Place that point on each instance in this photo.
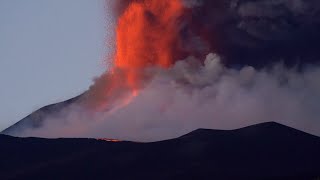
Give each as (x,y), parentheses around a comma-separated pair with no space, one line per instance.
(190,95)
(180,65)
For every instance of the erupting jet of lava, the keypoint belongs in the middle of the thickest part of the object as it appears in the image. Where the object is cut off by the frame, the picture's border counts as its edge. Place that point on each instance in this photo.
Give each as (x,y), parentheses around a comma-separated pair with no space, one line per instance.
(147,35)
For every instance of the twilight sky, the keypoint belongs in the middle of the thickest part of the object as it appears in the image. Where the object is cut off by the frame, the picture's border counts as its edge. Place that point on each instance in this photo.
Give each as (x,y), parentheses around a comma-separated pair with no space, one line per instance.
(49,51)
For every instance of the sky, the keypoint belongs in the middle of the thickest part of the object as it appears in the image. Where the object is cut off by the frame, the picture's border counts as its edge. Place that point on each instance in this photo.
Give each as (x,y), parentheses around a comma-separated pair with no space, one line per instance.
(49,52)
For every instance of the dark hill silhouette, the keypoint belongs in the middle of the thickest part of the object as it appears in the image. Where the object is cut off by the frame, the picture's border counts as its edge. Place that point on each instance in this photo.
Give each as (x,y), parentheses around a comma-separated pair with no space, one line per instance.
(264,151)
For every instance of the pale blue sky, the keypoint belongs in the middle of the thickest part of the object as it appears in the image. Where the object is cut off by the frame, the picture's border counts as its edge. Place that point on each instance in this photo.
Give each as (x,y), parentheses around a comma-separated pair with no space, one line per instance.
(50,50)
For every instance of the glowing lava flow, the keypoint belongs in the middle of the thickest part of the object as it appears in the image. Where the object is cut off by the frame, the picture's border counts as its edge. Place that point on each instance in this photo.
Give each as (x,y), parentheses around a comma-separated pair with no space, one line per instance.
(146,35)
(108,140)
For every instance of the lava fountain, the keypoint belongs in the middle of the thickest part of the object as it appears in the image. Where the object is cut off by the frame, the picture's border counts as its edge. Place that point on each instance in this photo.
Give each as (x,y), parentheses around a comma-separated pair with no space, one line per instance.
(146,35)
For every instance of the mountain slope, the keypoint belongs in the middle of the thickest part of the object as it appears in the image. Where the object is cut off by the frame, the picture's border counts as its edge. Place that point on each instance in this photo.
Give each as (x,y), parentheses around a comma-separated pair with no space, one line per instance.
(36,119)
(263,151)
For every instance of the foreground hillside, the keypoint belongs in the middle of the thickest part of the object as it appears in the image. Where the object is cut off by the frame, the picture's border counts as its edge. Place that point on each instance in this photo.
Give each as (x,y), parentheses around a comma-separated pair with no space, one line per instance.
(264,151)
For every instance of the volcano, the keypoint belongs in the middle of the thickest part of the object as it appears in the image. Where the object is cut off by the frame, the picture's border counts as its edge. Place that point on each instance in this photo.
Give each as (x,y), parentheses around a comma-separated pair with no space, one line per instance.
(160,34)
(263,151)
(180,65)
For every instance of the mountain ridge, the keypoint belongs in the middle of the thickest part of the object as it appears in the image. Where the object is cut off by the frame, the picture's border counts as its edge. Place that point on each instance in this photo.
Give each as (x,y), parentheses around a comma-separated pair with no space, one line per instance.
(263,151)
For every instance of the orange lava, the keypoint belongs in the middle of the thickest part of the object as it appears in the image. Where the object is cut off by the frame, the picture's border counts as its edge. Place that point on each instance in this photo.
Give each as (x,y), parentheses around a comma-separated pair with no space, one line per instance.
(109,140)
(146,33)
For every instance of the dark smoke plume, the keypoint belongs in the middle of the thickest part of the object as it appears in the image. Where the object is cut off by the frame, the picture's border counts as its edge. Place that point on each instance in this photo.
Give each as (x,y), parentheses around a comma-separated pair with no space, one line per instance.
(248,32)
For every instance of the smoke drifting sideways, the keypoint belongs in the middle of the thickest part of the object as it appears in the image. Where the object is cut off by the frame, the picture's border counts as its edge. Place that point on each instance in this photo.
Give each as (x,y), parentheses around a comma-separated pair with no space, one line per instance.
(200,89)
(190,95)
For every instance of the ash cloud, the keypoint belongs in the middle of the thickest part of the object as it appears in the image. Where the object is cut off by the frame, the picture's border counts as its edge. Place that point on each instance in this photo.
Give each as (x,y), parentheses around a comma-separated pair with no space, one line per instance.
(259,33)
(249,32)
(192,3)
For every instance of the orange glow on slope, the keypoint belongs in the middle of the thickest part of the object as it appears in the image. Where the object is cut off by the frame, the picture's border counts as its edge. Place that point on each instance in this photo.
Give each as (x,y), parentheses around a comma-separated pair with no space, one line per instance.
(108,140)
(146,33)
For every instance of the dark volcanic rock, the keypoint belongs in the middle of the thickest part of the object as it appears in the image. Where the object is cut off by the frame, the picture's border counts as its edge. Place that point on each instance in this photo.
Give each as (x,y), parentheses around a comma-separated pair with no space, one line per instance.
(265,151)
